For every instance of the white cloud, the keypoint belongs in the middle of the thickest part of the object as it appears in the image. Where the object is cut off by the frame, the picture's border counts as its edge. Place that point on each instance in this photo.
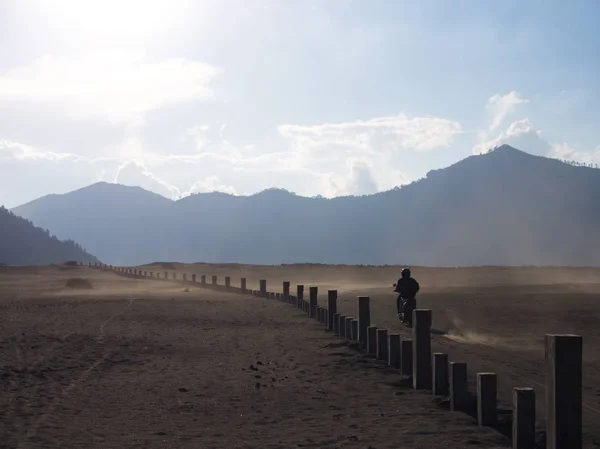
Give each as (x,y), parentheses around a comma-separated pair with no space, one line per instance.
(357,180)
(362,157)
(21,152)
(353,158)
(565,152)
(210,184)
(395,132)
(520,134)
(136,173)
(499,106)
(524,136)
(120,86)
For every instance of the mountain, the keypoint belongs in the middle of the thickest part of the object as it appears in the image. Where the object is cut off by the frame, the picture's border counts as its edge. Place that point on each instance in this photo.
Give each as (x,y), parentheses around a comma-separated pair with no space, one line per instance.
(114,222)
(505,207)
(21,243)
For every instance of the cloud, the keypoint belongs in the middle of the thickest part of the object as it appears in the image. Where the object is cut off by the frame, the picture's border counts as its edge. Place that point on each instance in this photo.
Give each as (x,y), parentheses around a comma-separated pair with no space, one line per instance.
(393,132)
(210,184)
(21,152)
(565,152)
(137,174)
(352,158)
(524,136)
(499,106)
(358,180)
(120,86)
(362,157)
(520,134)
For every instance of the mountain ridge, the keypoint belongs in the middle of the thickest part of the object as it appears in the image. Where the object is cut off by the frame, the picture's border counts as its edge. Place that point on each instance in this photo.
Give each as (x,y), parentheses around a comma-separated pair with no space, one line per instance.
(502,207)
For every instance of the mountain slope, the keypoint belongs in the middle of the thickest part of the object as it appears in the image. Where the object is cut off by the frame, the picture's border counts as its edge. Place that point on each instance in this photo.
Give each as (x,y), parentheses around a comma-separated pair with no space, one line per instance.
(106,218)
(21,243)
(504,208)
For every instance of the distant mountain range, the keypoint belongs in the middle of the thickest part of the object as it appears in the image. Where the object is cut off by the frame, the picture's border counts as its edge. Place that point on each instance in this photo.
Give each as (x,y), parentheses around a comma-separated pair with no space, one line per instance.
(505,207)
(21,243)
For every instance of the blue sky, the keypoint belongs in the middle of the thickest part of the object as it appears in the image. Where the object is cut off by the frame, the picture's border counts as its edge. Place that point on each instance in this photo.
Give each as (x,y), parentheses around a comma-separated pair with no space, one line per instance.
(318,97)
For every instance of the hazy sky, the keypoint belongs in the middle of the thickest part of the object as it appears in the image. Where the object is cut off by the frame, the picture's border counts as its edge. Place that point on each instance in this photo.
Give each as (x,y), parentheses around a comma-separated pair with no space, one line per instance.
(326,97)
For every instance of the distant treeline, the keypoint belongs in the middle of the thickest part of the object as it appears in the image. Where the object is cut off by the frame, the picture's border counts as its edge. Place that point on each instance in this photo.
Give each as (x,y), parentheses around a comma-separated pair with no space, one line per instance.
(21,243)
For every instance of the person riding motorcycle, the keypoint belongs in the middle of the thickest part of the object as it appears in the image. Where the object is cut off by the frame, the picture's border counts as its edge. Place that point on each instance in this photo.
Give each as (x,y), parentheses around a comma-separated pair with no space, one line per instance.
(407,287)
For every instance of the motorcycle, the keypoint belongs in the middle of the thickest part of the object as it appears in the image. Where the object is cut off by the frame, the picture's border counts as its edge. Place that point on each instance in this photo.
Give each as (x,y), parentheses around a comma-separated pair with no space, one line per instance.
(405,308)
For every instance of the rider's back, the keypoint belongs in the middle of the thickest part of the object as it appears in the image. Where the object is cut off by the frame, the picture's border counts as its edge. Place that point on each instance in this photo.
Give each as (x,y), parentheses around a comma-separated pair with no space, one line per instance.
(407,287)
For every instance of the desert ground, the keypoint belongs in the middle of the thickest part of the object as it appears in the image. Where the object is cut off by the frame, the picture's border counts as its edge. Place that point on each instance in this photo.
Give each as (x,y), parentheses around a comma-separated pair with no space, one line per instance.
(119,362)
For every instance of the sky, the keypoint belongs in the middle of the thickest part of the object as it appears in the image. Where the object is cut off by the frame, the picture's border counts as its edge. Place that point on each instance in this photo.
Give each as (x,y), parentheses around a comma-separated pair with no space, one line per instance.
(322,97)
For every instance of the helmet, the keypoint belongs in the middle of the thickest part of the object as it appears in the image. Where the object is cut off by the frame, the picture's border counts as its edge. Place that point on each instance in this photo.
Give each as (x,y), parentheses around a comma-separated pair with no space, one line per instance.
(405,273)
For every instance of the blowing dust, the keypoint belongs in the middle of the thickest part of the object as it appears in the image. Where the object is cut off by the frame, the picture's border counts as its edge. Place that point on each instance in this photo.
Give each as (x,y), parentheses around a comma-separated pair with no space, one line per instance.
(461,333)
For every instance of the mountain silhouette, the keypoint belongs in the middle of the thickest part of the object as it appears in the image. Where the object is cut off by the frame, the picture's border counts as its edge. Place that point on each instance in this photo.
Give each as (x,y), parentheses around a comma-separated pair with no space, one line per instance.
(505,207)
(21,243)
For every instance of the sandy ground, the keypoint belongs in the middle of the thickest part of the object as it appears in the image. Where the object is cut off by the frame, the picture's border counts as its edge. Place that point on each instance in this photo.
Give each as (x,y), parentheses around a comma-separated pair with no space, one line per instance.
(146,364)
(493,318)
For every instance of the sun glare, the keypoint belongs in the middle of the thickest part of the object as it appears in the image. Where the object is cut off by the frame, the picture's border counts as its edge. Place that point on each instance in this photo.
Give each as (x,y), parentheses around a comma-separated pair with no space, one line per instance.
(114,20)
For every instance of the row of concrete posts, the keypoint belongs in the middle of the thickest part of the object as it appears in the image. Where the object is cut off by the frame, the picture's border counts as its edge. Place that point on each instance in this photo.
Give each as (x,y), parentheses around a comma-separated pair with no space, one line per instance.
(434,371)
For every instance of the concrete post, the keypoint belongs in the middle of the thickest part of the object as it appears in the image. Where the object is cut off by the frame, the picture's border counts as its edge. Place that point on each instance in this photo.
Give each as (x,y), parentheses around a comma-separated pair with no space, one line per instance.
(263,287)
(354,330)
(325,316)
(421,334)
(243,285)
(394,350)
(523,418)
(174,275)
(145,273)
(336,322)
(364,318)
(563,391)
(313,300)
(348,332)
(203,279)
(277,296)
(331,308)
(371,339)
(214,280)
(459,393)
(382,344)
(486,398)
(286,291)
(227,281)
(184,277)
(440,374)
(193,278)
(342,325)
(300,295)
